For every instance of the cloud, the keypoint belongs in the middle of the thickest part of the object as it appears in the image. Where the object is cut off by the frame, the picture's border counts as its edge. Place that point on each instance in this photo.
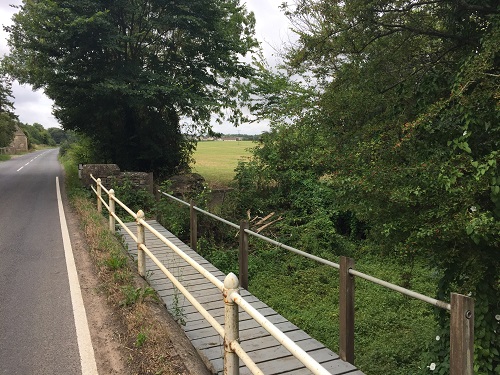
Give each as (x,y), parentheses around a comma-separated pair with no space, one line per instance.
(33,106)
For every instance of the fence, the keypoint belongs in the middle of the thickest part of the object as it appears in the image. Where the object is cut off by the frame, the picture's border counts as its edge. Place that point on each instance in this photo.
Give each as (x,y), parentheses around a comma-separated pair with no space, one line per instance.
(461,307)
(229,288)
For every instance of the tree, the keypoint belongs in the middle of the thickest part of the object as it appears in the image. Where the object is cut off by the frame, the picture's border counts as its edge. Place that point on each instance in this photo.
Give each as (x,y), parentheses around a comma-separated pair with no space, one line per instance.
(7,117)
(408,104)
(58,135)
(127,73)
(7,129)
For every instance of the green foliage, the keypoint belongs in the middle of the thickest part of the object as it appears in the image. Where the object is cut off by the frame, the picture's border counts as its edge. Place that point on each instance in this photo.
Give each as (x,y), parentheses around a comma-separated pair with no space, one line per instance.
(8,120)
(134,295)
(405,122)
(4,157)
(7,129)
(115,261)
(173,216)
(125,73)
(141,339)
(59,135)
(6,105)
(133,197)
(37,135)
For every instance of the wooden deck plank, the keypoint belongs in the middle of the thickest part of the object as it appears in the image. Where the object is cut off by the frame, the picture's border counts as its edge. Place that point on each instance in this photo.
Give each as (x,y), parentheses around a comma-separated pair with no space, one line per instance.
(264,349)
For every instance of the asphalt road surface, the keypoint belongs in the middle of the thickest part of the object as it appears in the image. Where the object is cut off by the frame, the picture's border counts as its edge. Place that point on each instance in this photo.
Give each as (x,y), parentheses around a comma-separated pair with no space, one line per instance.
(37,324)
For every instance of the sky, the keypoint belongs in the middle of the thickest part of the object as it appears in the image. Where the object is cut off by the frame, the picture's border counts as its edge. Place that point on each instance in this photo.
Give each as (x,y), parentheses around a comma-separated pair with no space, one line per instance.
(271,30)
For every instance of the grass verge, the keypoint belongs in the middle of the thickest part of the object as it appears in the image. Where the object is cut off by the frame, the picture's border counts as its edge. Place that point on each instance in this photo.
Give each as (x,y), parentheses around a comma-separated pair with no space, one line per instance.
(147,335)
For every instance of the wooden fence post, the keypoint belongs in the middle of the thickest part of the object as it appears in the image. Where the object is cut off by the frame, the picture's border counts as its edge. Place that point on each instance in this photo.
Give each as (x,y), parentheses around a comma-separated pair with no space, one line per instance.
(141,240)
(111,211)
(346,310)
(243,255)
(193,225)
(99,203)
(231,326)
(461,335)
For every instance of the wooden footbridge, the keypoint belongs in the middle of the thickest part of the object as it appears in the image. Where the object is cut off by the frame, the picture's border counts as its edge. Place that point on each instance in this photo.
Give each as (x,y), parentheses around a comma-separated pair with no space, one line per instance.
(268,354)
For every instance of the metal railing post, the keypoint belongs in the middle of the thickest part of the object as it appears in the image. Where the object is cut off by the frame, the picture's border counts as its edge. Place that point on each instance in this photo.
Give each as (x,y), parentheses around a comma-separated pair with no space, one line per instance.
(243,255)
(99,203)
(346,310)
(141,240)
(193,226)
(111,211)
(461,335)
(231,325)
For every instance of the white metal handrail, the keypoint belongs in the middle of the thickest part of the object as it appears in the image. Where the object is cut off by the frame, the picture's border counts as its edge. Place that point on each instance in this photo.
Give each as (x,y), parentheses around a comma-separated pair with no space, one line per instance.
(234,296)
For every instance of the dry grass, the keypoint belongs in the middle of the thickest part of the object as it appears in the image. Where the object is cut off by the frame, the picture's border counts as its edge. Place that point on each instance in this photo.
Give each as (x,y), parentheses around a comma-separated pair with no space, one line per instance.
(146,337)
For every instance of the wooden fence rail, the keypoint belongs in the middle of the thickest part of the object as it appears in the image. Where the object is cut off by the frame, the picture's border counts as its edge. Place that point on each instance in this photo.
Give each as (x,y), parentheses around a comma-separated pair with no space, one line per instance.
(461,307)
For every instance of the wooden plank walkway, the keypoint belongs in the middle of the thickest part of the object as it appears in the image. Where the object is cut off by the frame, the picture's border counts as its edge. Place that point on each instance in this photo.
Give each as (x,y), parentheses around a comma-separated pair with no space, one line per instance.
(269,355)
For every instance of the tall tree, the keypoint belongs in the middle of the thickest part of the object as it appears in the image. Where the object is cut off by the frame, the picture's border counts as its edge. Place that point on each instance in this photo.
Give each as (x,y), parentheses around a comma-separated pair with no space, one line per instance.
(127,72)
(7,117)
(407,97)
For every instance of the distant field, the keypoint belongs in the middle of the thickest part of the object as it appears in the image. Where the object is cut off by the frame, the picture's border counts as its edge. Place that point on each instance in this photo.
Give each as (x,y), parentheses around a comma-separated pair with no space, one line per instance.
(216,160)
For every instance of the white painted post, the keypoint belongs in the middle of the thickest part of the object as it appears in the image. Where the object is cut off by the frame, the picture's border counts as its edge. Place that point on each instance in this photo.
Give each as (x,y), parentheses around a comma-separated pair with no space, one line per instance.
(141,239)
(231,325)
(193,226)
(99,203)
(111,211)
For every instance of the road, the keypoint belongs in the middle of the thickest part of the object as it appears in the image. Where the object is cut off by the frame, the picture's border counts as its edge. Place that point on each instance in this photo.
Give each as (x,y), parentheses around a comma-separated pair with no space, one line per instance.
(38,333)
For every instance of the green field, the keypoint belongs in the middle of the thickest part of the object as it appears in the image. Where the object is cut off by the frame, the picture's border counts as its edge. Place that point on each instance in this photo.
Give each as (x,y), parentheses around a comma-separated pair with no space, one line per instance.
(216,160)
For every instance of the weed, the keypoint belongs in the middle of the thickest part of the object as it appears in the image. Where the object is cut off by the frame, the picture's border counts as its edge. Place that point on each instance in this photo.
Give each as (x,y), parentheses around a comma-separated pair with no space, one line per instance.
(115,261)
(177,310)
(136,295)
(141,339)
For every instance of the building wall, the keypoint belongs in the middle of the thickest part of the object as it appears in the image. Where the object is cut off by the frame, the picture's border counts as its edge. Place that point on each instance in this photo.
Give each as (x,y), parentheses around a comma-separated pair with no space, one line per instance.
(19,143)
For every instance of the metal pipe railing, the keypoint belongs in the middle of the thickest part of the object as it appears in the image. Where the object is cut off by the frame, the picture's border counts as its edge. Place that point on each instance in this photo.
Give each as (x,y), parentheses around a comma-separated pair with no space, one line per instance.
(231,296)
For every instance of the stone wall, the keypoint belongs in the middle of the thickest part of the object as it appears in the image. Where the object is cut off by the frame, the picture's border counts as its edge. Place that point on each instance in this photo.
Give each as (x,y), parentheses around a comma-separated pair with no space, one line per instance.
(111,174)
(18,144)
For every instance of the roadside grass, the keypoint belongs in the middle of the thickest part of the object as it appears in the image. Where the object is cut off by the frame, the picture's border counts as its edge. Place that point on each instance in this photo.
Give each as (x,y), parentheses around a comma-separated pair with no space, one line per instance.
(216,160)
(4,157)
(146,338)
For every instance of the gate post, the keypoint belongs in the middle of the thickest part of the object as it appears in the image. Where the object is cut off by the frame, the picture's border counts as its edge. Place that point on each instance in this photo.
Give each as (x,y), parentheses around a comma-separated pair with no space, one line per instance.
(99,203)
(141,239)
(193,226)
(231,325)
(461,335)
(346,310)
(111,211)
(243,255)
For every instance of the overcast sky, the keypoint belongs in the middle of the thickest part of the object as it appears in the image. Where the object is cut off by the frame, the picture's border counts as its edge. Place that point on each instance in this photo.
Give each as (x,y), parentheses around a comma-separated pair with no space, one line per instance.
(34,106)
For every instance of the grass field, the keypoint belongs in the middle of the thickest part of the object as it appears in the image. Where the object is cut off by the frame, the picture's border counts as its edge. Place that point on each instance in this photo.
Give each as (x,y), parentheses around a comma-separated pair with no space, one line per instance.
(216,160)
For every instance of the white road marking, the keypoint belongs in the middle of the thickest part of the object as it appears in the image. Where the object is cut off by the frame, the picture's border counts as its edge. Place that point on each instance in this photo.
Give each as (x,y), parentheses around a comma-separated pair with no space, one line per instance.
(87,358)
(31,161)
